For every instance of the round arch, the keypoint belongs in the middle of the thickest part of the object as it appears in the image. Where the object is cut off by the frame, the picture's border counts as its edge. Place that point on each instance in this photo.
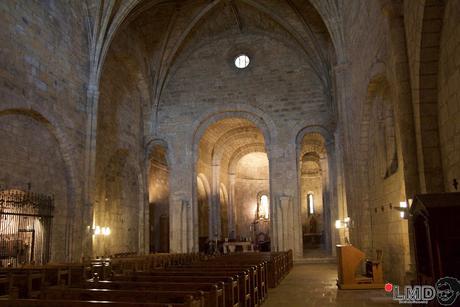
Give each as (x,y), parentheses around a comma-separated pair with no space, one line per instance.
(259,118)
(66,151)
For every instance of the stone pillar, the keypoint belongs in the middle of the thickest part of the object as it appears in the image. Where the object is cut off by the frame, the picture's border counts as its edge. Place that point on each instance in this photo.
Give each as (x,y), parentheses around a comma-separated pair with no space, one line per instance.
(333,206)
(286,227)
(181,217)
(231,206)
(343,161)
(144,223)
(84,227)
(215,196)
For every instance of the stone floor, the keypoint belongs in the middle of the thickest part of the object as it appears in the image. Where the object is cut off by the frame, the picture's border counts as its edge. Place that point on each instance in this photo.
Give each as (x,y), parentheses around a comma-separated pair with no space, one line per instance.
(315,285)
(315,252)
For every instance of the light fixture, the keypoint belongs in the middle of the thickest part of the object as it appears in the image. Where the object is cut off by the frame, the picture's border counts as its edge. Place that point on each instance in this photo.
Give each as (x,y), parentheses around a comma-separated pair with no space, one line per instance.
(403,205)
(341,224)
(338,224)
(98,230)
(404,208)
(105,231)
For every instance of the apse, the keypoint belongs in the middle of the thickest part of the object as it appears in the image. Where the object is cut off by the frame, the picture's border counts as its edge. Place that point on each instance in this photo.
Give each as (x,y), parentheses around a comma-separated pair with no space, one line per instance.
(252,195)
(232,184)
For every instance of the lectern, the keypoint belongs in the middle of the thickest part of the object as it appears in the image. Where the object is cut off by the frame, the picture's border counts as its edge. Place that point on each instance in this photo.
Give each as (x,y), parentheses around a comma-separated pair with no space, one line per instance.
(349,260)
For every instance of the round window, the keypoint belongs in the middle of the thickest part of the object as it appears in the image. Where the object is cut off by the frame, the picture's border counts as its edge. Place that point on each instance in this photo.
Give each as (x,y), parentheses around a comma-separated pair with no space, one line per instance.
(242,61)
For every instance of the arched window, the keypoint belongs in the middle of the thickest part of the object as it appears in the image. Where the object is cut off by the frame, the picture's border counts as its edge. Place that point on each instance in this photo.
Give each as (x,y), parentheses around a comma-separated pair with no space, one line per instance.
(310,204)
(263,209)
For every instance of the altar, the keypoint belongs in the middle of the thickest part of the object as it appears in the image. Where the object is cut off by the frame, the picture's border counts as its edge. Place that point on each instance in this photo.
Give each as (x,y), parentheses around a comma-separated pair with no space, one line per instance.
(230,247)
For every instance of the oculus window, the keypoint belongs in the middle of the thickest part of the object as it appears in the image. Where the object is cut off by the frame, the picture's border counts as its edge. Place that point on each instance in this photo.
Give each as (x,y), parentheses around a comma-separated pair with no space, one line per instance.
(242,61)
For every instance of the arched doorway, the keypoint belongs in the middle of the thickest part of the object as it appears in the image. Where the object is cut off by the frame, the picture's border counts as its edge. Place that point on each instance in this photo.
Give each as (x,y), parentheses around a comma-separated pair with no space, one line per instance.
(315,213)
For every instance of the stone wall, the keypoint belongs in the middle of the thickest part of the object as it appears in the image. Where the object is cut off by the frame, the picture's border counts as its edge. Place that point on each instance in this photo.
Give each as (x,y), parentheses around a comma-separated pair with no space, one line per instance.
(120,190)
(372,194)
(169,72)
(31,154)
(278,84)
(449,94)
(43,74)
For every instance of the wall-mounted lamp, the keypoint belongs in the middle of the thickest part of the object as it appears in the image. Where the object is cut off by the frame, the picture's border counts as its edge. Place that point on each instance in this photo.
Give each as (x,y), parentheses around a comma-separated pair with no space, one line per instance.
(404,208)
(98,230)
(341,224)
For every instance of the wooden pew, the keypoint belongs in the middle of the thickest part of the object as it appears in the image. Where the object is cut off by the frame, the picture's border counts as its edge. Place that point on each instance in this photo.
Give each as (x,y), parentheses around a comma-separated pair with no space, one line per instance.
(256,269)
(24,283)
(260,265)
(213,292)
(73,303)
(188,298)
(231,285)
(241,276)
(250,283)
(279,263)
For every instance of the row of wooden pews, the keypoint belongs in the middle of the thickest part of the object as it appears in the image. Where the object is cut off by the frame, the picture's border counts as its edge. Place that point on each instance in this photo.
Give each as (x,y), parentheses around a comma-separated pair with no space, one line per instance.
(161,280)
(29,280)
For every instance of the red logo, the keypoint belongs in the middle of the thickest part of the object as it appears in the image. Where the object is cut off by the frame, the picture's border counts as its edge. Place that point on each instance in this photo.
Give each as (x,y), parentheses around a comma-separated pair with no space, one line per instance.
(388,287)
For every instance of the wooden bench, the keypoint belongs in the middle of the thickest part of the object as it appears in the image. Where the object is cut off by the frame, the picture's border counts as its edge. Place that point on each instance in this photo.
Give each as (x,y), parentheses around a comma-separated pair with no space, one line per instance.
(241,276)
(256,276)
(73,303)
(213,292)
(25,283)
(258,268)
(231,285)
(279,263)
(188,298)
(247,276)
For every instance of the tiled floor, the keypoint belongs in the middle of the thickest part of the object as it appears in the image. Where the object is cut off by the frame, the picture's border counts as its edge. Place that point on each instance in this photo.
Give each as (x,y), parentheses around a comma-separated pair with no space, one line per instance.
(315,285)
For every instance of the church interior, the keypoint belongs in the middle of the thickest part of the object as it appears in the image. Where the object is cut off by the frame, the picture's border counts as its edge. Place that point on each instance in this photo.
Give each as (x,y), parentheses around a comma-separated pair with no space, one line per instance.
(228,152)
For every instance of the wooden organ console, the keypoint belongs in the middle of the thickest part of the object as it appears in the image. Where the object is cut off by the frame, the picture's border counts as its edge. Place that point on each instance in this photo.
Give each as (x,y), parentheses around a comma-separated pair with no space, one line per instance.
(349,260)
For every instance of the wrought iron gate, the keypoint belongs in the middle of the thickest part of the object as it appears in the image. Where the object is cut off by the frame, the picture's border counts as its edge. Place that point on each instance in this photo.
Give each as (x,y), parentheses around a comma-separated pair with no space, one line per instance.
(25,227)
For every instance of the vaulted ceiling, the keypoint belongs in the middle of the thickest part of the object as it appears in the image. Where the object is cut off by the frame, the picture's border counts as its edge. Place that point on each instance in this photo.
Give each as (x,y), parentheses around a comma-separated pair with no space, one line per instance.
(227,141)
(163,32)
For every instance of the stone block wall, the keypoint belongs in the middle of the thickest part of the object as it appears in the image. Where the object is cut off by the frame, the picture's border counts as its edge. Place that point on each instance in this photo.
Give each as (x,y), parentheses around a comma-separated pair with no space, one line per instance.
(43,76)
(375,225)
(31,154)
(120,189)
(449,95)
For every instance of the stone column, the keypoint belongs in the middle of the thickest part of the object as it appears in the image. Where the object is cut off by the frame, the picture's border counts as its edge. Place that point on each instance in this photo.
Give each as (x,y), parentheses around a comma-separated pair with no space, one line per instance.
(231,205)
(144,223)
(215,196)
(181,217)
(343,161)
(332,199)
(84,227)
(286,227)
